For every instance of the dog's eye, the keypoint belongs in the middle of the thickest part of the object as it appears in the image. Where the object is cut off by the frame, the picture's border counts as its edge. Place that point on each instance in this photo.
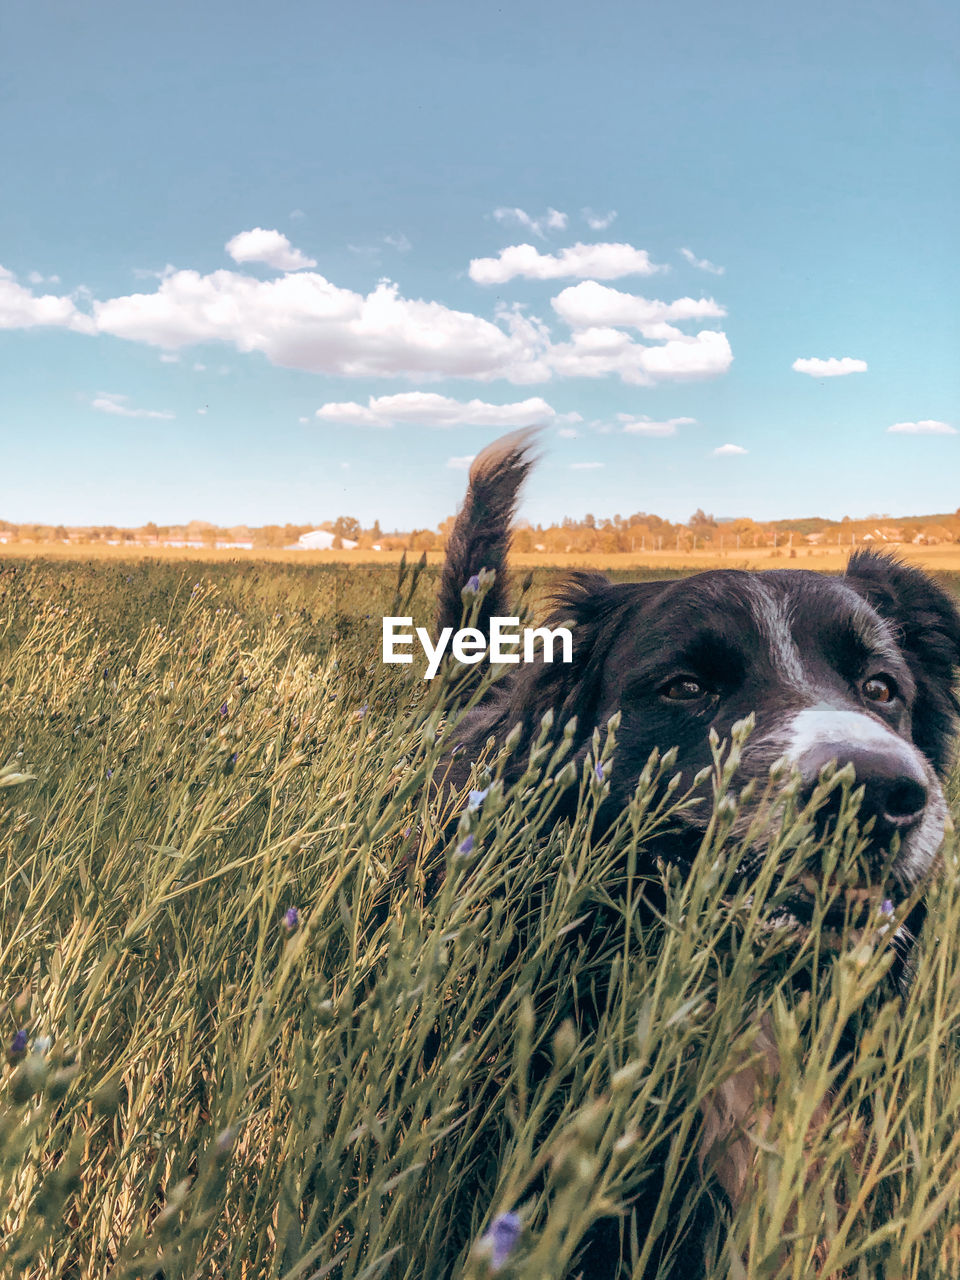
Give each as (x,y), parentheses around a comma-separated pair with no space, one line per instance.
(683,689)
(879,689)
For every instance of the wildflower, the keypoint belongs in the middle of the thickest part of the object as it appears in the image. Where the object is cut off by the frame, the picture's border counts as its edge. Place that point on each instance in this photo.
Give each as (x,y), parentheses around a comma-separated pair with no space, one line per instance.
(18,1045)
(109,774)
(360,712)
(473,584)
(465,846)
(224,709)
(406,832)
(476,798)
(291,919)
(500,1238)
(598,770)
(886,907)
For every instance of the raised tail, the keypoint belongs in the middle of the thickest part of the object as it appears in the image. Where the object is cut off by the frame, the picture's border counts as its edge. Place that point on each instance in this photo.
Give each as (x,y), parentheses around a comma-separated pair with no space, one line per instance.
(481,534)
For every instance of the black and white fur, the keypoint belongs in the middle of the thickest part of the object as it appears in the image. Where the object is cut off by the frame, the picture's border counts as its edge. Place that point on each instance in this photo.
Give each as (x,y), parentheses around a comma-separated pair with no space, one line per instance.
(859,669)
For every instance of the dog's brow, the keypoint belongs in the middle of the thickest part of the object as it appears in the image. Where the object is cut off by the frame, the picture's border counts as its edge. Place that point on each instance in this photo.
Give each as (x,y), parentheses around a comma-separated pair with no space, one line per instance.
(772,615)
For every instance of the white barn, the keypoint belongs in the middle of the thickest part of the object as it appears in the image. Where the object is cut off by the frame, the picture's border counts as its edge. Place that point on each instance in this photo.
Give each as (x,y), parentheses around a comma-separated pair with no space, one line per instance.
(320,540)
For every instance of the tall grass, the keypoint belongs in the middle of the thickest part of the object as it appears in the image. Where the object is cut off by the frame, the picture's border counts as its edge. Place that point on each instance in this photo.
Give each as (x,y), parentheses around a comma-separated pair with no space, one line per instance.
(270,1009)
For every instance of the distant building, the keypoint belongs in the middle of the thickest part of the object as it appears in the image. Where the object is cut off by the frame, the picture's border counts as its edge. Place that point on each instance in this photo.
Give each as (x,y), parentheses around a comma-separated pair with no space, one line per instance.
(320,540)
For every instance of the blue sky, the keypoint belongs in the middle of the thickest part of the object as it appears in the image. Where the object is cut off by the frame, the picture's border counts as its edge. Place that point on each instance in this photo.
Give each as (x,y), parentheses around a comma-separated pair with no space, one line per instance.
(219,219)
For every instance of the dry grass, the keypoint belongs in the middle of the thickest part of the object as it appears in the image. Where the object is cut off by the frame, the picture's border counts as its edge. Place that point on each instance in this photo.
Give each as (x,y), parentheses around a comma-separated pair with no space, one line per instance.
(944,558)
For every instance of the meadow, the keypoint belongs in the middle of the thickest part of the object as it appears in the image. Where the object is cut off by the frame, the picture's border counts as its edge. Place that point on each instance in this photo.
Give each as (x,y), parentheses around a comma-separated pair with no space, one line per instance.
(265,1013)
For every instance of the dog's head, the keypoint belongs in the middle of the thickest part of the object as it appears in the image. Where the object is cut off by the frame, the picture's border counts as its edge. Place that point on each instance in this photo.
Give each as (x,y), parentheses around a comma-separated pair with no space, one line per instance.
(857,670)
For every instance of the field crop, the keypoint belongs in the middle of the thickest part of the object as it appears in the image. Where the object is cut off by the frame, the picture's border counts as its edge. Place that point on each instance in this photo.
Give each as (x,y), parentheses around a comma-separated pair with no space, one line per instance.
(269,1009)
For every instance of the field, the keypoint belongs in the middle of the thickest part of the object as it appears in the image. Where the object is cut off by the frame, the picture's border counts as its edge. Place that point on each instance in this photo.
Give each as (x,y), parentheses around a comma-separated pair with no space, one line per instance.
(263,1015)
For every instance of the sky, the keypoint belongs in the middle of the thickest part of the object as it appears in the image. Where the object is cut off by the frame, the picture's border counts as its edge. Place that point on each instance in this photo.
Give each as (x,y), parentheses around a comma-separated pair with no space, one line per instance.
(269,263)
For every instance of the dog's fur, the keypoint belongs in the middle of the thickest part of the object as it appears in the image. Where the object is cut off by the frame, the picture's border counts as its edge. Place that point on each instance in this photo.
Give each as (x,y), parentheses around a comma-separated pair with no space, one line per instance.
(802,651)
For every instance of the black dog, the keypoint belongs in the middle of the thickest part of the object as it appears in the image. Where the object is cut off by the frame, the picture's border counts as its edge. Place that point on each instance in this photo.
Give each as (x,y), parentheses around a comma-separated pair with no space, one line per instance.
(859,669)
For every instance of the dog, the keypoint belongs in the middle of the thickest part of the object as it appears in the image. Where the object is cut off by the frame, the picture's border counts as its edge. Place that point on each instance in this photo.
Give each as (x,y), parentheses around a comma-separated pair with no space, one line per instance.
(857,669)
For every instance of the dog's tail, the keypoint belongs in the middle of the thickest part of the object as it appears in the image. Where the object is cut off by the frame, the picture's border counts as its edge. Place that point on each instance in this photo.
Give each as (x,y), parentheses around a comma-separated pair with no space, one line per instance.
(481,533)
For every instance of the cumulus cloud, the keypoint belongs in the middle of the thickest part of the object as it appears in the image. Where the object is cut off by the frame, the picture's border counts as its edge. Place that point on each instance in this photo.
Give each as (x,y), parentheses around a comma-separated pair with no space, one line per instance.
(599,261)
(588,304)
(300,320)
(552,220)
(586,466)
(925,427)
(598,221)
(643,426)
(729,451)
(427,409)
(303,321)
(109,402)
(270,247)
(21,308)
(834,367)
(702,264)
(462,463)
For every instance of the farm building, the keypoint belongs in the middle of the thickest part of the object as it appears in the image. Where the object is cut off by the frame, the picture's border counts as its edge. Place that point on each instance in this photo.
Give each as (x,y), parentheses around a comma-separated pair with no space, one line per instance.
(320,540)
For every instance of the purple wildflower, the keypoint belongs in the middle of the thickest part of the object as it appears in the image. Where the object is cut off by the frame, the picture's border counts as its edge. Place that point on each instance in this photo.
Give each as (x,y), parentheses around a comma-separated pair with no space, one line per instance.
(224,709)
(18,1045)
(473,583)
(466,846)
(291,919)
(886,907)
(501,1238)
(109,773)
(476,798)
(598,770)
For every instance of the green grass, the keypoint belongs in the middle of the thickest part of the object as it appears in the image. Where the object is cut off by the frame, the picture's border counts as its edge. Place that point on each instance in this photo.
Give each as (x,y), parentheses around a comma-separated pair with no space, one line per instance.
(209,1090)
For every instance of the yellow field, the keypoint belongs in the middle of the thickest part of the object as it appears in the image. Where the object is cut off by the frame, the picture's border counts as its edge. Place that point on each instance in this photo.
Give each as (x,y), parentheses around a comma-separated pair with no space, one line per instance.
(945,557)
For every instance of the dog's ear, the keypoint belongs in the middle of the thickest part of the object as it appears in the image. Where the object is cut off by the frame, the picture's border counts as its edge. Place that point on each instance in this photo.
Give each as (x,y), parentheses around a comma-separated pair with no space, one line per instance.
(595,609)
(927,622)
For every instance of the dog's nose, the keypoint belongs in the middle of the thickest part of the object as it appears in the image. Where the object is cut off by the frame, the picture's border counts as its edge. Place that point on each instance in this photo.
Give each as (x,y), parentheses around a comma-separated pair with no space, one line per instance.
(894,787)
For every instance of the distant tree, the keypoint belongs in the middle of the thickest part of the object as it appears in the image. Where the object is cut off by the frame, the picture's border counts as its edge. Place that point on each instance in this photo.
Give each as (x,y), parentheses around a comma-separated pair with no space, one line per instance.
(347,527)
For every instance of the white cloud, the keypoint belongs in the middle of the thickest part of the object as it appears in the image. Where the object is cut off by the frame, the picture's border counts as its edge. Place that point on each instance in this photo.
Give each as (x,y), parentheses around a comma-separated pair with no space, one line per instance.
(643,426)
(270,247)
(36,278)
(199,368)
(832,368)
(427,409)
(588,304)
(296,214)
(702,264)
(600,261)
(21,308)
(586,466)
(462,463)
(201,411)
(552,220)
(568,433)
(169,357)
(598,221)
(594,353)
(399,242)
(729,451)
(925,427)
(303,321)
(109,402)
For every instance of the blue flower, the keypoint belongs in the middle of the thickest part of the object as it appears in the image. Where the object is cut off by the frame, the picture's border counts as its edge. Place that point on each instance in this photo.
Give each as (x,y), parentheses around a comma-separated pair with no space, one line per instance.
(476,798)
(473,583)
(18,1045)
(224,709)
(291,919)
(886,907)
(598,770)
(465,846)
(501,1238)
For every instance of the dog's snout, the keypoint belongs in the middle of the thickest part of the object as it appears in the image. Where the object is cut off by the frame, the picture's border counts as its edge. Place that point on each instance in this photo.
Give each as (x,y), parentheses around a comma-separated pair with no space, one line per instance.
(895,790)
